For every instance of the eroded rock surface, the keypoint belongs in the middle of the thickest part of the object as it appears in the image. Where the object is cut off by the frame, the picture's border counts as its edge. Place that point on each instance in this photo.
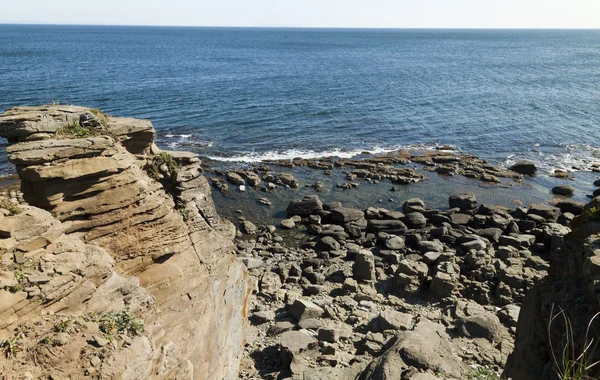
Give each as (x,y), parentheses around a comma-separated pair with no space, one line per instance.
(126,209)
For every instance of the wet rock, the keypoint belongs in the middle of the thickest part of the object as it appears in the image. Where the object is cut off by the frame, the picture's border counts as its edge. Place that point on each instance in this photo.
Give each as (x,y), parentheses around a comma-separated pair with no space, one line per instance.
(464,202)
(563,190)
(235,179)
(524,167)
(288,180)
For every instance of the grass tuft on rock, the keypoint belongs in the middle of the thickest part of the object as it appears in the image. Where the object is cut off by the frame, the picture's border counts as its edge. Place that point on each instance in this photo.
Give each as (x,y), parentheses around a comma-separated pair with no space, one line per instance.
(122,322)
(11,207)
(76,130)
(162,163)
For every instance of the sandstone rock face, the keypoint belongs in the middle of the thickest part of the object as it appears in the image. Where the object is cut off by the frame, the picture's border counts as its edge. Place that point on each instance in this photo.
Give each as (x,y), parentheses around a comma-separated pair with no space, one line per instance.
(165,231)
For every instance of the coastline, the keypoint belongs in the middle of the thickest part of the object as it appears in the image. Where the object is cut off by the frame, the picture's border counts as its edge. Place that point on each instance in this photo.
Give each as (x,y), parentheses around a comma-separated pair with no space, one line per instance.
(348,275)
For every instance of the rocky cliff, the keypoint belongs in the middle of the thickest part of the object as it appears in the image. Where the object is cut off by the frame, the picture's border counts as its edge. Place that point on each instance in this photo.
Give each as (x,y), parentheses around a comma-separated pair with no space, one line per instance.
(548,341)
(114,225)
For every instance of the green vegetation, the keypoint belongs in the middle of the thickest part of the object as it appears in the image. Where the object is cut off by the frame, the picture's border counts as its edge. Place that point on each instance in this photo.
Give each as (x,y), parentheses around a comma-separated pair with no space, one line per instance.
(573,363)
(11,347)
(153,168)
(101,117)
(182,209)
(76,130)
(483,373)
(62,326)
(19,276)
(11,207)
(122,322)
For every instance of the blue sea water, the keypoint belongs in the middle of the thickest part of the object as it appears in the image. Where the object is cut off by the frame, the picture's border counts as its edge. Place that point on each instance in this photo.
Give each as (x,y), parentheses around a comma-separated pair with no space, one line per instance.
(244,94)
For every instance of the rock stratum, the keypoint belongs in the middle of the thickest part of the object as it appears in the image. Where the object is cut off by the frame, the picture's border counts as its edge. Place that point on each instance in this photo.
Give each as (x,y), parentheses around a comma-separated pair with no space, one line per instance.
(114,235)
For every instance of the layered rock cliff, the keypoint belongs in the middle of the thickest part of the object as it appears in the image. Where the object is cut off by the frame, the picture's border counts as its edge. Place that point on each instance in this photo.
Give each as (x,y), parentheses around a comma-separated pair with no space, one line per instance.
(128,228)
(556,327)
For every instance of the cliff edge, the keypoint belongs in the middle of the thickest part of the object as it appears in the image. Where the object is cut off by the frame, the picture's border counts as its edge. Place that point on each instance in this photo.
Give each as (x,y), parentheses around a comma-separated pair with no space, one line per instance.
(113,230)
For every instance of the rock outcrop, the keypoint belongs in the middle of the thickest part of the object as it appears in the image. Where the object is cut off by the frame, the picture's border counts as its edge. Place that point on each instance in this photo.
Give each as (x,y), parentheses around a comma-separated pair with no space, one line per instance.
(572,286)
(135,218)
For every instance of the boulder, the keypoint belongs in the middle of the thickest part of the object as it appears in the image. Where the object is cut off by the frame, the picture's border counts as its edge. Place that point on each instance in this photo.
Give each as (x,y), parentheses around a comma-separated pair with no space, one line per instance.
(563,190)
(288,180)
(344,215)
(309,205)
(464,202)
(328,243)
(248,228)
(415,220)
(304,309)
(485,325)
(395,227)
(545,211)
(524,167)
(364,267)
(235,179)
(395,320)
(427,347)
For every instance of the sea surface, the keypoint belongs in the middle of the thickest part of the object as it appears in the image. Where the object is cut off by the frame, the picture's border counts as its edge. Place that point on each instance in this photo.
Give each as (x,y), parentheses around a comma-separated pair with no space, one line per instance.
(246,94)
(241,95)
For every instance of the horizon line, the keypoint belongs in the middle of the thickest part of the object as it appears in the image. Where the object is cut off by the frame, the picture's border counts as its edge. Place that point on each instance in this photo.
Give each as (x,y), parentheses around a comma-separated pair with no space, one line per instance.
(30,23)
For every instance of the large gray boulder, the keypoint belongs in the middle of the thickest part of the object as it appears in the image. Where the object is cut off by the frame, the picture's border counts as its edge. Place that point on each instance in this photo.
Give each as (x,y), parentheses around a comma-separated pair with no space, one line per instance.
(427,347)
(306,206)
(524,167)
(465,202)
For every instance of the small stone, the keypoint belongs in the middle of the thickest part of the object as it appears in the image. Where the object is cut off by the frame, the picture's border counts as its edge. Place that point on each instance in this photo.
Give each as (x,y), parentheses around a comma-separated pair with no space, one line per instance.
(288,224)
(61,339)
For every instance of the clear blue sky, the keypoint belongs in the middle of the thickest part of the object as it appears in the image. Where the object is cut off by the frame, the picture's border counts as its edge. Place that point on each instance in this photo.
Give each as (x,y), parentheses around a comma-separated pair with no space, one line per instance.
(310,13)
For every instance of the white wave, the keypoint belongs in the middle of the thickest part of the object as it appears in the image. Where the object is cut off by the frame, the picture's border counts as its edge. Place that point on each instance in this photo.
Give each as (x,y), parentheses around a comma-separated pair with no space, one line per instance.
(291,154)
(179,136)
(577,157)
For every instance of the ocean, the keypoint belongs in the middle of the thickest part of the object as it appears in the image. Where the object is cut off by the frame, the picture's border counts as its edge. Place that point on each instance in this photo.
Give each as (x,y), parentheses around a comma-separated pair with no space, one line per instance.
(244,94)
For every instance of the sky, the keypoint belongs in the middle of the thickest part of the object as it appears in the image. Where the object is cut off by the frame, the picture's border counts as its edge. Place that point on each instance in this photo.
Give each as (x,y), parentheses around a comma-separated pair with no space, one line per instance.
(582,14)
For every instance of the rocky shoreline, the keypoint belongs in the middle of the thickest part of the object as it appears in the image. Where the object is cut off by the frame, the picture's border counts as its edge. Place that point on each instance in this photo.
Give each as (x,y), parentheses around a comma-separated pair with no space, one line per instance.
(355,286)
(116,264)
